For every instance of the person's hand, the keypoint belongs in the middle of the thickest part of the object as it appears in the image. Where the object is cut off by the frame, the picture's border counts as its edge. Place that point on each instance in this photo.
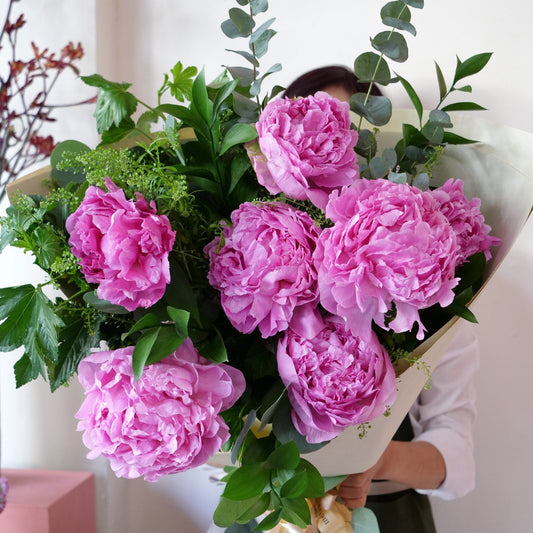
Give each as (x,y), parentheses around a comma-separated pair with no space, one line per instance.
(354,489)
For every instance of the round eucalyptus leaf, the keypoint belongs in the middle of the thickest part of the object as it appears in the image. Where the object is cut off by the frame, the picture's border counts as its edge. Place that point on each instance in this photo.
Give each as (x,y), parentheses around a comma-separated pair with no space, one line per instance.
(372,67)
(376,109)
(421,181)
(393,45)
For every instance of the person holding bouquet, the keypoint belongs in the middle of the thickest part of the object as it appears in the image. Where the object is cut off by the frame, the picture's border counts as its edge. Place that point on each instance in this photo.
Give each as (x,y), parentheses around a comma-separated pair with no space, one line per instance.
(432,451)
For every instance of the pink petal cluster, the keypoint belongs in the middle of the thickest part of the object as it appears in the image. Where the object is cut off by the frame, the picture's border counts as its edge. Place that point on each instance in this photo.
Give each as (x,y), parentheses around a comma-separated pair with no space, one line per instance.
(390,250)
(334,379)
(123,245)
(263,266)
(466,219)
(167,422)
(306,147)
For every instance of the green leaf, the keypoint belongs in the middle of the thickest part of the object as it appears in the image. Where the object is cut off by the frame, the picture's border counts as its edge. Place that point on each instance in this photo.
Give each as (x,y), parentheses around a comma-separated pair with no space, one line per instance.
(228,511)
(200,100)
(296,511)
(397,177)
(114,102)
(376,109)
(239,133)
(180,317)
(116,133)
(397,15)
(470,66)
(419,4)
(463,106)
(421,181)
(142,351)
(366,143)
(261,37)
(413,97)
(64,177)
(440,118)
(287,456)
(434,133)
(181,85)
(471,272)
(246,482)
(453,138)
(239,166)
(211,347)
(179,293)
(258,6)
(103,305)
(25,371)
(247,55)
(260,505)
(458,306)
(295,486)
(167,342)
(255,89)
(315,482)
(364,521)
(240,24)
(369,67)
(150,320)
(377,168)
(393,45)
(442,82)
(269,522)
(330,482)
(48,246)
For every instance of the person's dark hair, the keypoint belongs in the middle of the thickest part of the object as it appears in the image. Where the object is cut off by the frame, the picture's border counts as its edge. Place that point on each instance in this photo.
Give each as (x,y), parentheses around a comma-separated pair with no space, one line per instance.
(319,78)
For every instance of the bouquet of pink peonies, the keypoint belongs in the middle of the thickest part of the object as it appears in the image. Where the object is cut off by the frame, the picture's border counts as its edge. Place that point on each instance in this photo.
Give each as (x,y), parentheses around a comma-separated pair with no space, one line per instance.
(249,278)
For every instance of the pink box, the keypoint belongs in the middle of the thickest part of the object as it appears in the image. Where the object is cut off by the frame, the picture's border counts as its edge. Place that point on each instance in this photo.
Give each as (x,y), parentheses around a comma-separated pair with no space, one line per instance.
(49,501)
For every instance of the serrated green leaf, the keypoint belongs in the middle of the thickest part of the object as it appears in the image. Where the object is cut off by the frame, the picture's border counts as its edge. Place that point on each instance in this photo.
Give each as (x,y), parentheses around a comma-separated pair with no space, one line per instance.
(113,104)
(246,482)
(48,246)
(370,67)
(441,81)
(115,133)
(393,45)
(463,106)
(239,133)
(25,371)
(413,96)
(470,66)
(182,80)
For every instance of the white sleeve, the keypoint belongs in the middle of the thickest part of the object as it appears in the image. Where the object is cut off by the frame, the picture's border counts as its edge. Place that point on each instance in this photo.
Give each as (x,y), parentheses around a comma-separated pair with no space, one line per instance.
(443,415)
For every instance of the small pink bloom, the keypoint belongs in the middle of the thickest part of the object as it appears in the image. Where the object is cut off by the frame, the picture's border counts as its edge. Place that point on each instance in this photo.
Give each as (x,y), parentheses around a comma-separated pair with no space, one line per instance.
(165,423)
(123,245)
(334,379)
(390,250)
(466,219)
(264,267)
(305,147)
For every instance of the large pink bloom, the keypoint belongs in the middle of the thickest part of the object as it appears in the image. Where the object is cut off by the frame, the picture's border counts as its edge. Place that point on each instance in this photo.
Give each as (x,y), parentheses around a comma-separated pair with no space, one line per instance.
(263,266)
(166,422)
(334,379)
(123,245)
(466,219)
(306,147)
(390,250)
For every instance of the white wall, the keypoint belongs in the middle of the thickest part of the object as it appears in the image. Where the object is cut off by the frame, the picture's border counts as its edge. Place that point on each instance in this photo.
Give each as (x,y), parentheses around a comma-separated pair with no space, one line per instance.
(136,41)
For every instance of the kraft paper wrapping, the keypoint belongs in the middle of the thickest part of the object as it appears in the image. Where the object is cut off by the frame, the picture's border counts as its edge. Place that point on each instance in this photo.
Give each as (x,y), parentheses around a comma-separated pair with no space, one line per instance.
(499,170)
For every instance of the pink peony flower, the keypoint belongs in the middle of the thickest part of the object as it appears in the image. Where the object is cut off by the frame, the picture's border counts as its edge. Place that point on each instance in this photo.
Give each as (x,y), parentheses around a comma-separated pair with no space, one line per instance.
(167,422)
(264,266)
(334,379)
(466,220)
(305,147)
(390,250)
(123,245)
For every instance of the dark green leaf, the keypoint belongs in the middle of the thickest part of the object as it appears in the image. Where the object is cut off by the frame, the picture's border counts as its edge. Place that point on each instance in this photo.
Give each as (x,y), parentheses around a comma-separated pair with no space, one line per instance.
(296,511)
(200,100)
(167,342)
(470,273)
(246,482)
(116,133)
(64,177)
(364,521)
(239,165)
(114,102)
(398,24)
(465,89)
(442,82)
(295,486)
(180,317)
(179,293)
(269,522)
(463,106)
(413,96)
(287,456)
(222,95)
(366,143)
(103,305)
(212,347)
(458,306)
(260,505)
(393,45)
(150,320)
(48,246)
(453,138)
(418,4)
(7,236)
(396,10)
(228,511)
(248,423)
(470,66)
(238,134)
(372,67)
(315,482)
(25,371)
(142,351)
